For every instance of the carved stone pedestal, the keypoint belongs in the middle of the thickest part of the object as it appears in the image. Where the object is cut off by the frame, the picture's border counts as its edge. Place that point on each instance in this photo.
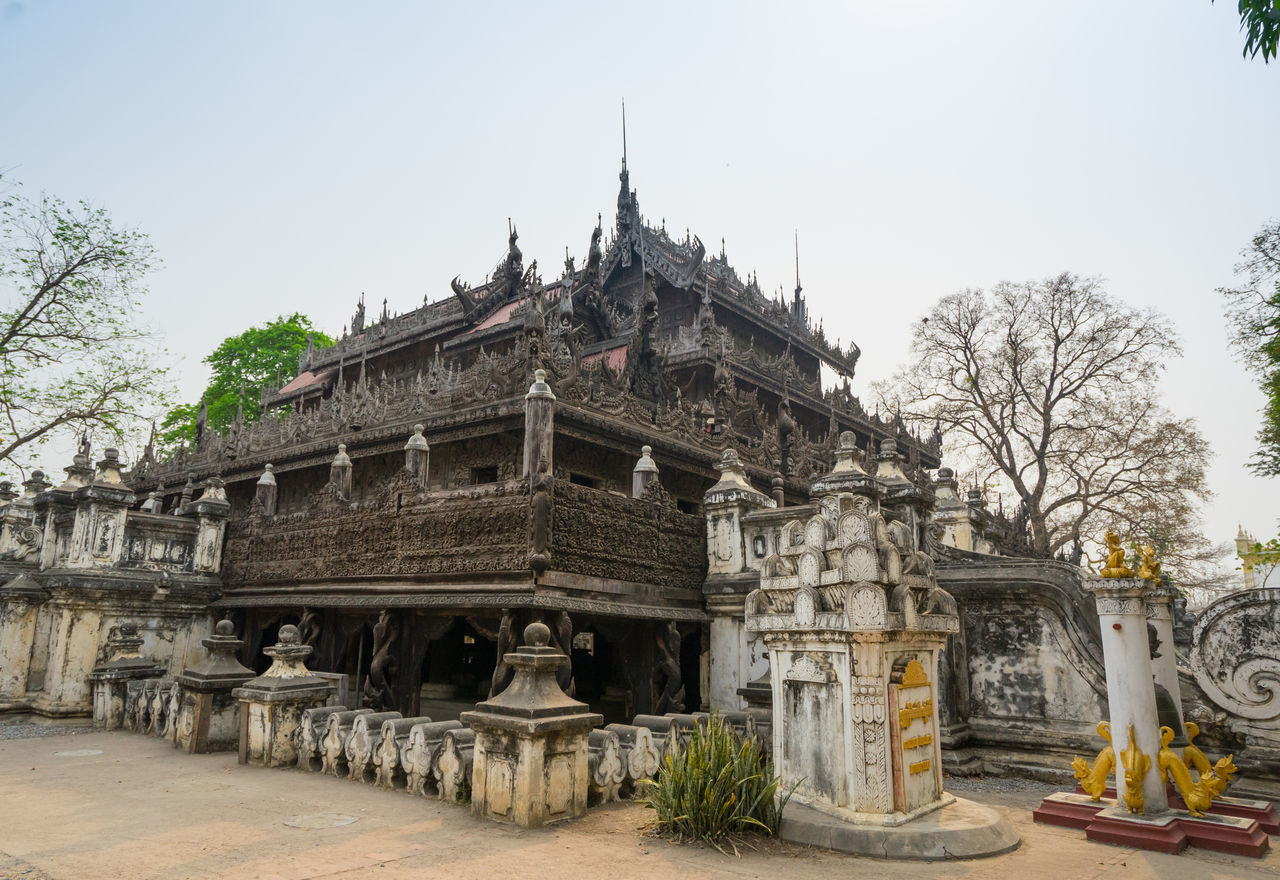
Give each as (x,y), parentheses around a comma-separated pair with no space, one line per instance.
(529,764)
(208,715)
(110,681)
(272,704)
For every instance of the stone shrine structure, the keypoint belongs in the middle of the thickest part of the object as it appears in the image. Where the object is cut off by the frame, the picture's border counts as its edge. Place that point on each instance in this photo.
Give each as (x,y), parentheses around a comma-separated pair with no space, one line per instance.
(853,618)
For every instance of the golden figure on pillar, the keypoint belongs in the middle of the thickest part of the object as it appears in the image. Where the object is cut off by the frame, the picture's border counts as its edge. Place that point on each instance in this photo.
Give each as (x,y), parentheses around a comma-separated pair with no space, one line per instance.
(1093,778)
(1136,763)
(1115,567)
(1148,565)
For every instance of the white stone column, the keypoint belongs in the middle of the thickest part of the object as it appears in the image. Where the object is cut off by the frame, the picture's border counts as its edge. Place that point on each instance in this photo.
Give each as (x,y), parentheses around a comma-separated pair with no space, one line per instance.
(1159,603)
(1122,612)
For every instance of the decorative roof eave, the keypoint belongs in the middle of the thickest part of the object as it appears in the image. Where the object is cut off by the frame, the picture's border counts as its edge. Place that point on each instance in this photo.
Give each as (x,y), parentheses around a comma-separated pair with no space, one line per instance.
(370,343)
(677,265)
(735,303)
(447,426)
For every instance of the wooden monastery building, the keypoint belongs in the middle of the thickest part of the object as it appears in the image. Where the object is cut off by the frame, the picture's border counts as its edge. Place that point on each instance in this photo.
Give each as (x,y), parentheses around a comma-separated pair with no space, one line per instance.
(411,503)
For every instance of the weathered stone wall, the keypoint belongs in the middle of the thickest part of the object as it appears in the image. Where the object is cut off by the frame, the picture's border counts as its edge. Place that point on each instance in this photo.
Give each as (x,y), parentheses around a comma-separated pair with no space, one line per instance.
(1023,682)
(1233,691)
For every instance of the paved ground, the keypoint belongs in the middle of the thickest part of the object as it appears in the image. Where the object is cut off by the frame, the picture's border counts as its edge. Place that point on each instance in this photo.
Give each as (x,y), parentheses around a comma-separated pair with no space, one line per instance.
(105,805)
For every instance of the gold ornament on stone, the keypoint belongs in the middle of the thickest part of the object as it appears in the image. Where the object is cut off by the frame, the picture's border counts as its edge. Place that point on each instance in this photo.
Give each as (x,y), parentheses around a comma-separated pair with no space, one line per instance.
(1148,565)
(1115,567)
(1093,778)
(1136,763)
(1213,780)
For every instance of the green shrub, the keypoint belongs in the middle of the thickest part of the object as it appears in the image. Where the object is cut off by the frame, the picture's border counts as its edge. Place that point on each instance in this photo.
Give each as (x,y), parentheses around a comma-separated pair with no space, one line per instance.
(719,785)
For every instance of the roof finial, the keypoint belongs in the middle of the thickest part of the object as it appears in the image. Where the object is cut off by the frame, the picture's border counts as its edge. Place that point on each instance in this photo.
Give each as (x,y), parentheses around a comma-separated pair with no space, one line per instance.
(797,262)
(624,134)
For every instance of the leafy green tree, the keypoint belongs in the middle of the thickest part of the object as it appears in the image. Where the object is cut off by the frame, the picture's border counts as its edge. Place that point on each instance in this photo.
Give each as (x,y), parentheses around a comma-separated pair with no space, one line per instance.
(1253,314)
(74,355)
(242,366)
(1260,21)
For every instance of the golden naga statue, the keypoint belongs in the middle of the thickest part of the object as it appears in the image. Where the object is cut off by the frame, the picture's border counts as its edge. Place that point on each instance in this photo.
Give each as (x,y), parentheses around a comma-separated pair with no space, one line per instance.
(1115,567)
(1149,566)
(1093,778)
(1212,781)
(1136,763)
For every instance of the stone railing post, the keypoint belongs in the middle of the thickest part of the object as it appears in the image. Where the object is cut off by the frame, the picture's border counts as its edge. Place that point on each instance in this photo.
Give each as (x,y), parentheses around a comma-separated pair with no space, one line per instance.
(272,704)
(530,758)
(208,719)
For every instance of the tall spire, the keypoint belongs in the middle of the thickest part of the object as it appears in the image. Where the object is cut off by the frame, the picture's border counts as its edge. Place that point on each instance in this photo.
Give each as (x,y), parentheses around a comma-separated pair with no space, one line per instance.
(797,304)
(627,209)
(798,288)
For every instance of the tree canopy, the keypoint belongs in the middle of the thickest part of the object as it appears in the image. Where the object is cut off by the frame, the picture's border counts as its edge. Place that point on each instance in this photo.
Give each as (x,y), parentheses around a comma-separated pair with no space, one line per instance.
(1253,315)
(74,357)
(242,366)
(1049,389)
(1260,21)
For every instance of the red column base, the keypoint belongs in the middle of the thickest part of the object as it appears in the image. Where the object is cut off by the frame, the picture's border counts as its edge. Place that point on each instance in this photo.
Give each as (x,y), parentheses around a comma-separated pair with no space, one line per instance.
(1226,834)
(1262,812)
(1165,837)
(1068,810)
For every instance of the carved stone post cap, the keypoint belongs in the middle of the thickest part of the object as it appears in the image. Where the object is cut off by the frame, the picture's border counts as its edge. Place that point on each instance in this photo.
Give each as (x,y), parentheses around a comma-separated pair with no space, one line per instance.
(7,493)
(289,645)
(36,484)
(537,635)
(268,477)
(417,441)
(847,455)
(645,463)
(540,390)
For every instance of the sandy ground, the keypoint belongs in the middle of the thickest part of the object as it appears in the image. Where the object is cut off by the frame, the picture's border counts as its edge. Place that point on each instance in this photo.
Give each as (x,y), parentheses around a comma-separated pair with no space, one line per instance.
(123,805)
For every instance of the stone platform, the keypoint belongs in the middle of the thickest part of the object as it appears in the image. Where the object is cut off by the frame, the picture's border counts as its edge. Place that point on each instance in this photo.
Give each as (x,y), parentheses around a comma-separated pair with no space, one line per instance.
(1171,831)
(962,830)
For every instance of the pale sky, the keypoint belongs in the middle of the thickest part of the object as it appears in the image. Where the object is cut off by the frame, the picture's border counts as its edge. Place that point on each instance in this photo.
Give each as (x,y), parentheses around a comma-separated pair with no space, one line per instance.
(287,156)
